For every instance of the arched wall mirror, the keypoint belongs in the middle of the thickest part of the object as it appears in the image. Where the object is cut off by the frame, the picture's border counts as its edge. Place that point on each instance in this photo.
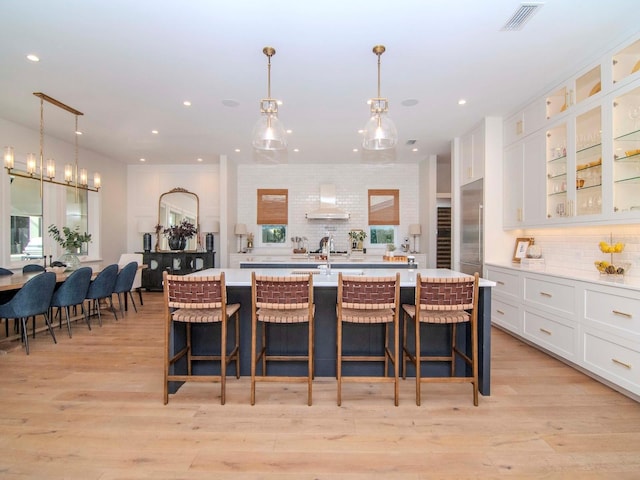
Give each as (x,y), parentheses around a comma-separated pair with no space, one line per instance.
(174,207)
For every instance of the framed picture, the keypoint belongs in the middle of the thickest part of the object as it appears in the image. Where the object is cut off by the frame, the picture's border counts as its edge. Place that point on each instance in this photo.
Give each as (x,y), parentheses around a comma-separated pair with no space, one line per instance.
(520,250)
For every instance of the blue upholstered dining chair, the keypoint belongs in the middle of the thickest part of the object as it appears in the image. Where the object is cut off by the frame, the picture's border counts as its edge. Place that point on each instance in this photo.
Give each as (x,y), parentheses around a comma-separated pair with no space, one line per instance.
(73,291)
(102,288)
(33,267)
(32,299)
(124,284)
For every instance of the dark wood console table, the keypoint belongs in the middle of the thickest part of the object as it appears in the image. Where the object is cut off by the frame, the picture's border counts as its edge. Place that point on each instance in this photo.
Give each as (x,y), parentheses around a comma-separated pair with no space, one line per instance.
(176,263)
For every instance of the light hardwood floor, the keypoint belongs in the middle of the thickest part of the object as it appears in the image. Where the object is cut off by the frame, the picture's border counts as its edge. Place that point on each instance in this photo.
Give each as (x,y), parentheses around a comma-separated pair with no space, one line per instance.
(91,408)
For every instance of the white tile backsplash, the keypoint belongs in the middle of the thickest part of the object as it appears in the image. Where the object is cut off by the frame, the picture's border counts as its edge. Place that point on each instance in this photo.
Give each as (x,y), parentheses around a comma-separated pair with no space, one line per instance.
(303,182)
(577,248)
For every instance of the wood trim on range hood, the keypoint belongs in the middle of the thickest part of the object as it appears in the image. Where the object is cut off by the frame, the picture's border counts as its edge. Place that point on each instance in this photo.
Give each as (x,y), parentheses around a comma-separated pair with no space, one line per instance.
(328,206)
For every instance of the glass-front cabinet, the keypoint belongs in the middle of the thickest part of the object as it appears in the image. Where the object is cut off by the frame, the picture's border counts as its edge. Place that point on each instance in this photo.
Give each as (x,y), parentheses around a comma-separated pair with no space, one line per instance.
(626,152)
(579,89)
(588,179)
(557,203)
(626,62)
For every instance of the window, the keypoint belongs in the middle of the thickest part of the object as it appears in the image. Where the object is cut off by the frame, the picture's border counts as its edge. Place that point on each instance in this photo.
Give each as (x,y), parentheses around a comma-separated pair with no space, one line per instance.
(273,206)
(382,235)
(274,234)
(384,207)
(26,219)
(77,212)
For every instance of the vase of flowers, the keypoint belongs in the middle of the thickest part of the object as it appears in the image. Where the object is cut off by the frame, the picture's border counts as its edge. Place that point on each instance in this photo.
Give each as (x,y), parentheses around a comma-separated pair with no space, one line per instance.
(177,235)
(71,241)
(357,238)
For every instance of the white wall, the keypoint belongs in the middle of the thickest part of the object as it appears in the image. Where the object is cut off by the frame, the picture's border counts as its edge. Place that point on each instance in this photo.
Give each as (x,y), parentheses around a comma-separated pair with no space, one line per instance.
(145,184)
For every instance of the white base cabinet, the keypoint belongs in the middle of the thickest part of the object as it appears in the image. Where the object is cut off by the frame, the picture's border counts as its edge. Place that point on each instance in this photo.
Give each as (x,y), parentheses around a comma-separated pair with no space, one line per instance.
(592,325)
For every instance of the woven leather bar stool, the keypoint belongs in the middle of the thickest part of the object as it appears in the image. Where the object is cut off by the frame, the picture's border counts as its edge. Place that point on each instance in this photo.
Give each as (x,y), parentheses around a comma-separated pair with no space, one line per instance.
(369,301)
(199,300)
(448,301)
(280,300)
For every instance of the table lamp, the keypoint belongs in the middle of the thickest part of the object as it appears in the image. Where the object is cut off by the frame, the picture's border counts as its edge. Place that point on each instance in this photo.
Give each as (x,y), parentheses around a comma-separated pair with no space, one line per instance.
(415,230)
(240,230)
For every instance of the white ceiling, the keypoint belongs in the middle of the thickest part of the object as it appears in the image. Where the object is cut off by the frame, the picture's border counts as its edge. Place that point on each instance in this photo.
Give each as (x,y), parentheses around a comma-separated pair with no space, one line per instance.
(129,64)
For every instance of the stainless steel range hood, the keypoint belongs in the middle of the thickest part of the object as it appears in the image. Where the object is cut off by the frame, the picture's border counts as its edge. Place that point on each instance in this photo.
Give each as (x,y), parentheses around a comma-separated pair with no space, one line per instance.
(328,206)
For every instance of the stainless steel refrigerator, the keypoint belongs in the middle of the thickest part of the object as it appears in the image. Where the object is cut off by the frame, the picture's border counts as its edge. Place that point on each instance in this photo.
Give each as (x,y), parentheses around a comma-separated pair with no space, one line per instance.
(472,235)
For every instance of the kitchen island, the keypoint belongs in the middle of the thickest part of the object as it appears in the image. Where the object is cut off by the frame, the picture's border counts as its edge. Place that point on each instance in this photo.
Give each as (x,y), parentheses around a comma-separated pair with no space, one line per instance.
(325,294)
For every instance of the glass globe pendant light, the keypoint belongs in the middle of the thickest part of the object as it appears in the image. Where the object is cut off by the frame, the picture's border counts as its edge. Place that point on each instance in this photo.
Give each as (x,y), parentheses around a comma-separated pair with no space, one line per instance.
(380,132)
(269,133)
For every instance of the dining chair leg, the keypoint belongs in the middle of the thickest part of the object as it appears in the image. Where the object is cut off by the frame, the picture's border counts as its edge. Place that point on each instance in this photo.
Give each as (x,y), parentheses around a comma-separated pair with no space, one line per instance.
(66,311)
(139,290)
(48,322)
(418,361)
(25,334)
(132,301)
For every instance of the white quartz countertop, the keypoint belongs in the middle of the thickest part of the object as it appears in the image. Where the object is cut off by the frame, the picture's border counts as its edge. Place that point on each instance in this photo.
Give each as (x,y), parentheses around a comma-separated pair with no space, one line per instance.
(241,277)
(627,281)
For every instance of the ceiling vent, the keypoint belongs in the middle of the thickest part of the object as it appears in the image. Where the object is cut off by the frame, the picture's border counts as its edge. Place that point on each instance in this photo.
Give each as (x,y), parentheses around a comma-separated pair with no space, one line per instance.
(521,16)
(328,206)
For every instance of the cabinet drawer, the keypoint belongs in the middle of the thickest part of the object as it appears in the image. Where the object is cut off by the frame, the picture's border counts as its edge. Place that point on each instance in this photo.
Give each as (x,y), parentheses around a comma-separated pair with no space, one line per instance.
(506,283)
(620,311)
(506,316)
(613,361)
(551,334)
(554,296)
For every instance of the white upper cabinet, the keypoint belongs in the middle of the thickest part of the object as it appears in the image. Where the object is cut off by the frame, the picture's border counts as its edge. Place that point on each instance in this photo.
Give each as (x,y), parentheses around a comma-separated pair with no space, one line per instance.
(472,147)
(587,145)
(584,86)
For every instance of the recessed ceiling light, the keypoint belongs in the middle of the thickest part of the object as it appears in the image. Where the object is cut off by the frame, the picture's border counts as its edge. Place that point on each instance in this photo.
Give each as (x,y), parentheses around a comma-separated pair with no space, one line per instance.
(199,159)
(296,150)
(409,102)
(237,150)
(78,132)
(289,131)
(360,131)
(186,103)
(355,150)
(155,132)
(462,101)
(33,58)
(279,102)
(229,102)
(414,149)
(143,159)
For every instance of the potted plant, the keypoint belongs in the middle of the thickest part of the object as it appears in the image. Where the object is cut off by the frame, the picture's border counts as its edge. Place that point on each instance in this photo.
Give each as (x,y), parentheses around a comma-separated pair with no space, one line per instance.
(71,241)
(357,237)
(177,235)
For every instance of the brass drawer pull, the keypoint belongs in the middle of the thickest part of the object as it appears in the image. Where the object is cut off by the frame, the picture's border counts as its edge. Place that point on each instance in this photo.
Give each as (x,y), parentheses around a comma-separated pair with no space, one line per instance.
(625,365)
(548,332)
(500,312)
(622,314)
(545,294)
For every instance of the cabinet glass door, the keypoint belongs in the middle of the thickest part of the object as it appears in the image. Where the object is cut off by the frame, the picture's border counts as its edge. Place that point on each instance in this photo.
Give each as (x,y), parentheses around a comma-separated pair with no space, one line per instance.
(557,172)
(588,180)
(626,149)
(557,102)
(626,62)
(588,84)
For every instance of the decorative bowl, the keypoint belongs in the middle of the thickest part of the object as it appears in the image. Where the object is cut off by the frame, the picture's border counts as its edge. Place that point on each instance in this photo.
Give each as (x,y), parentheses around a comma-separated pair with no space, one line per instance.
(56,270)
(609,269)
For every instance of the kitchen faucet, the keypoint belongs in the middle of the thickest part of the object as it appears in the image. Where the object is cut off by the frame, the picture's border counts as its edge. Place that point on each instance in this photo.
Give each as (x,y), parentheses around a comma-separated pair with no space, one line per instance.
(329,245)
